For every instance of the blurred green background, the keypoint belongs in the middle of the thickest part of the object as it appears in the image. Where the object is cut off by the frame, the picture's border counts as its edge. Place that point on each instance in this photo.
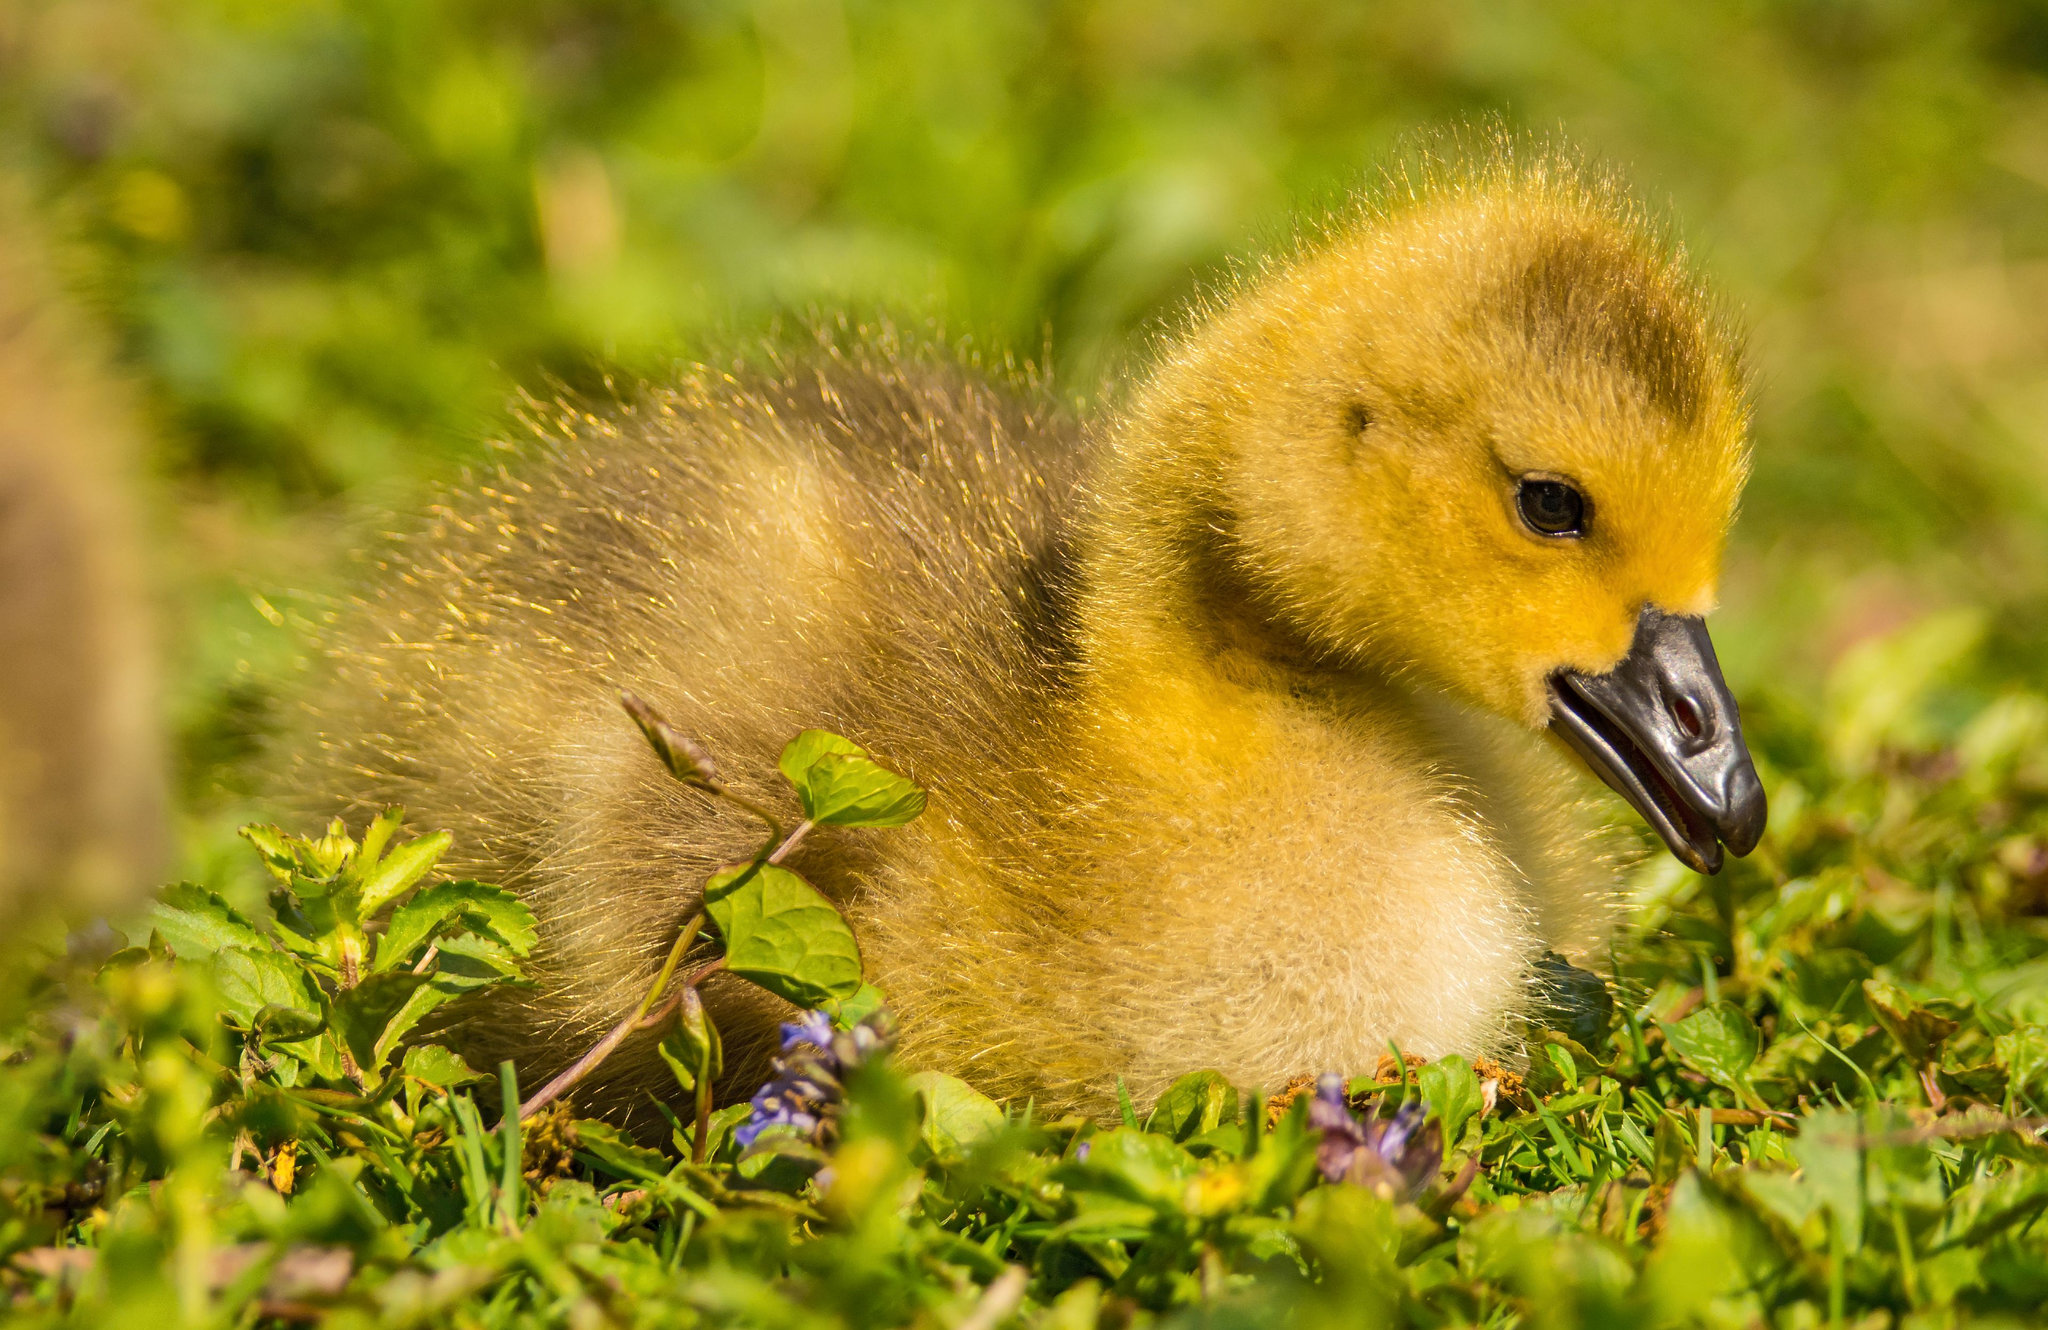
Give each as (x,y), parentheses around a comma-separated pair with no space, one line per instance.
(329,240)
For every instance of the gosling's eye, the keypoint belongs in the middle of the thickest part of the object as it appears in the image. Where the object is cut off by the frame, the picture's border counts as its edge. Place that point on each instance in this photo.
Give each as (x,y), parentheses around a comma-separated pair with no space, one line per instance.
(1552,508)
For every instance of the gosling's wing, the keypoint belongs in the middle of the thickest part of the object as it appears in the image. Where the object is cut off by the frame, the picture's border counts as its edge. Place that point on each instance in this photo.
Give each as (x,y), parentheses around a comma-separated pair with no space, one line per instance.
(862,541)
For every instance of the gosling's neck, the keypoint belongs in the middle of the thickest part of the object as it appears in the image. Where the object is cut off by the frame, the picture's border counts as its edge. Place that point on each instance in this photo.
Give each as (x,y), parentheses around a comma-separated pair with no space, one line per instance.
(1181,648)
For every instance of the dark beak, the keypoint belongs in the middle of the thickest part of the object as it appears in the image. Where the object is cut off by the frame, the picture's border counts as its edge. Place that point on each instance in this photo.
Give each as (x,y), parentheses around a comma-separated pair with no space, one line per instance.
(1662,730)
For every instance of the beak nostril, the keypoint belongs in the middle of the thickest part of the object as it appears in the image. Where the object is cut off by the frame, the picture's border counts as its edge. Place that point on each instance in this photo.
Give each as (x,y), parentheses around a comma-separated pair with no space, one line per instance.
(1687,713)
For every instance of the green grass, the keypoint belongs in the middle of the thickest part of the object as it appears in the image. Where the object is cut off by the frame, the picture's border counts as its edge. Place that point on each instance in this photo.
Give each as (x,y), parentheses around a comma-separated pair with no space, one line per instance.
(1811,1094)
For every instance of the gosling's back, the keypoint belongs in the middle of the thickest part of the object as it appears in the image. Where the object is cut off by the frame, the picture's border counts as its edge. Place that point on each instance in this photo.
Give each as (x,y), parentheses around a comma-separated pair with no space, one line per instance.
(866,539)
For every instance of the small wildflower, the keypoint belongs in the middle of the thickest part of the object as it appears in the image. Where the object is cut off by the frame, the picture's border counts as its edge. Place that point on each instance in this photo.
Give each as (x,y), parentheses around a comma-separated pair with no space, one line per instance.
(805,1094)
(548,1143)
(284,1167)
(1215,1191)
(1395,1156)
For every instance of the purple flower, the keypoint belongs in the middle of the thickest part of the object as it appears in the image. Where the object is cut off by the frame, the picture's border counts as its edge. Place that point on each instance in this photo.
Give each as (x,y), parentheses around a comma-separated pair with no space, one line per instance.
(810,1027)
(805,1093)
(1395,1156)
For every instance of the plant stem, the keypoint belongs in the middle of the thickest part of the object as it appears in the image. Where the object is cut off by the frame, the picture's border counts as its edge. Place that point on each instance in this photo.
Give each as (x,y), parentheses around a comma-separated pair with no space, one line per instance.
(667,1009)
(668,967)
(790,842)
(700,1141)
(748,805)
(602,1049)
(772,851)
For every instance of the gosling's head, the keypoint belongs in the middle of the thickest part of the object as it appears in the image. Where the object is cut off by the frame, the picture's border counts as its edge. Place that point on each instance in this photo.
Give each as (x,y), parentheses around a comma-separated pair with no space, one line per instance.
(1491,439)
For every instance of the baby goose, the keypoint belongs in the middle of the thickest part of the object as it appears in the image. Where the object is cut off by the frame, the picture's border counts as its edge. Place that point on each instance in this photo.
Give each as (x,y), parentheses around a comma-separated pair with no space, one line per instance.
(81,784)
(1233,720)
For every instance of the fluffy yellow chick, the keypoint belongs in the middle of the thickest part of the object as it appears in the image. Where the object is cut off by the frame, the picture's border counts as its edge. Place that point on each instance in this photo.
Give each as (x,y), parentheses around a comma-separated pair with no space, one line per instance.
(1234,713)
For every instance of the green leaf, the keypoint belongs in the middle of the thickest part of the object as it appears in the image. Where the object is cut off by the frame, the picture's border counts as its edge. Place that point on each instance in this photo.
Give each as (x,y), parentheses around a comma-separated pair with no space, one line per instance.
(474,961)
(2024,1054)
(804,750)
(1832,1162)
(1107,1221)
(611,1150)
(306,926)
(1919,1030)
(327,856)
(1561,1064)
(1450,1088)
(249,979)
(957,1117)
(440,987)
(362,1015)
(839,785)
(376,836)
(414,924)
(1986,1080)
(677,1055)
(275,847)
(685,1046)
(322,1053)
(1138,1165)
(440,1067)
(1198,1102)
(780,1159)
(491,911)
(842,790)
(196,922)
(1718,1041)
(495,913)
(1672,1150)
(284,1023)
(781,934)
(399,870)
(849,1012)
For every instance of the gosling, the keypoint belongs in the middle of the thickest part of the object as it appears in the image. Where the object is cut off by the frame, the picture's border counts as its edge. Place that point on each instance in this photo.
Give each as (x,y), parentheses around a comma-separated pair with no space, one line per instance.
(82,802)
(1239,714)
